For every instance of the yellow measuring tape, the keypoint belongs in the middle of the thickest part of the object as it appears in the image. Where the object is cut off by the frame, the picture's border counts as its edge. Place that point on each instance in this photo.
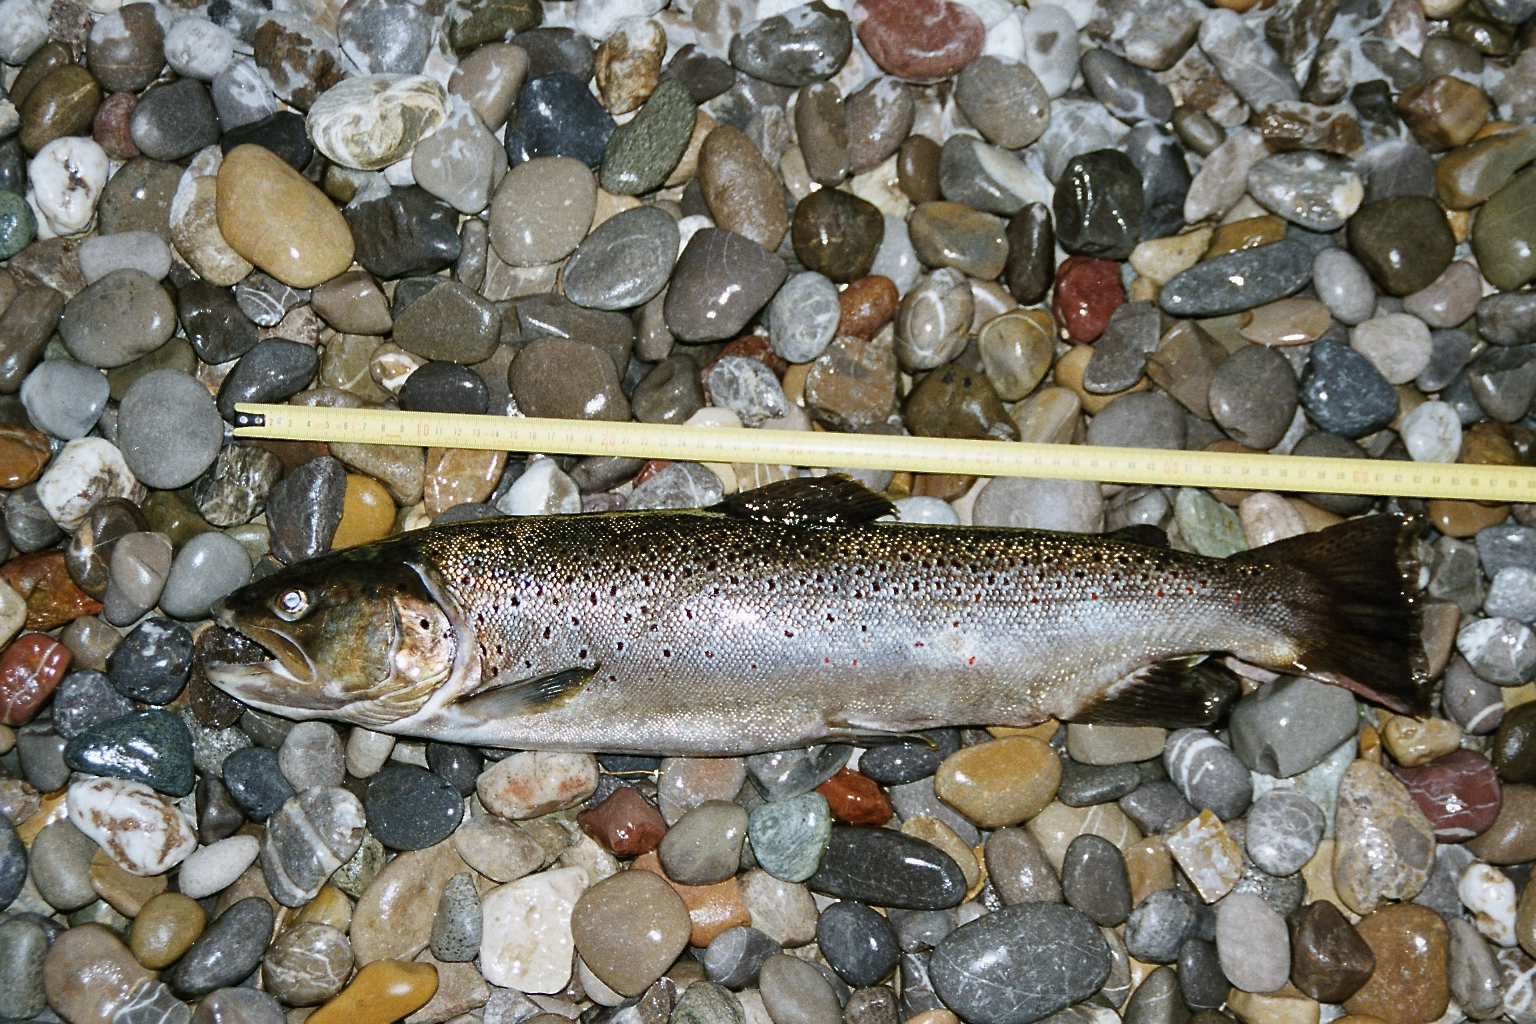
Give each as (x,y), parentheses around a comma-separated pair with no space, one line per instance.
(870,451)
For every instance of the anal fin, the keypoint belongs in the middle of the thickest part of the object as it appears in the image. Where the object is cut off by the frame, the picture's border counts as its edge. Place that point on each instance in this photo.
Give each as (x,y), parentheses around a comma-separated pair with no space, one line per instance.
(1174,694)
(527,696)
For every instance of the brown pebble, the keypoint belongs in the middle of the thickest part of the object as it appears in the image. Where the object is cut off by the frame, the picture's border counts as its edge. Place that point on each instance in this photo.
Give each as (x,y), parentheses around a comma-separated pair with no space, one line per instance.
(868,304)
(1409,986)
(917,169)
(166,927)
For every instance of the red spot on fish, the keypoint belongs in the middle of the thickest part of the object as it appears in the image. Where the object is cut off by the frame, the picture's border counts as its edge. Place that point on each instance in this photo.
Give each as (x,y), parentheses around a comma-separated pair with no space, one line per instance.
(918,644)
(1159,591)
(971,660)
(788,634)
(1189,590)
(1093,597)
(709,654)
(826,661)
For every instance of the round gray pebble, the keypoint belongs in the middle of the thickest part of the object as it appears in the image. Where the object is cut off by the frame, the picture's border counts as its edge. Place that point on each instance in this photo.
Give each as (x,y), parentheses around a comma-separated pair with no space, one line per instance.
(1284,829)
(1207,772)
(803,317)
(169,429)
(65,398)
(456,929)
(208,567)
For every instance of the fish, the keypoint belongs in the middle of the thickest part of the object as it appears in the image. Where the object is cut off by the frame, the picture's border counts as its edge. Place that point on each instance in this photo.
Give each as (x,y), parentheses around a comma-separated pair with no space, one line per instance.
(801,613)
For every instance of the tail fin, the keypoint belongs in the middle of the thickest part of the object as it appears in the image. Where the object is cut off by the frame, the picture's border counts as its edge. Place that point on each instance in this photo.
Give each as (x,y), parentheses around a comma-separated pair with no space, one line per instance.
(1364,634)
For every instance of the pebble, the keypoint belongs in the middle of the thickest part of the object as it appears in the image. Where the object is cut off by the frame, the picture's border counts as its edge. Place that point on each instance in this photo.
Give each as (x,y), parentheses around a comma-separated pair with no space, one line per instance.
(1207,772)
(152,747)
(1020,963)
(257,190)
(530,784)
(1094,880)
(142,833)
(1284,829)
(625,262)
(402,231)
(629,928)
(1001,782)
(1329,959)
(1291,725)
(789,837)
(886,868)
(1252,942)
(720,282)
(1386,845)
(1410,946)
(1343,393)
(804,316)
(384,989)
(307,963)
(210,869)
(527,933)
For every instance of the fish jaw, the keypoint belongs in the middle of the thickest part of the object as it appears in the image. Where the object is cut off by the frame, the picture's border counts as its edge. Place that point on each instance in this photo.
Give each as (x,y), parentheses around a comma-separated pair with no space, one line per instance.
(253,685)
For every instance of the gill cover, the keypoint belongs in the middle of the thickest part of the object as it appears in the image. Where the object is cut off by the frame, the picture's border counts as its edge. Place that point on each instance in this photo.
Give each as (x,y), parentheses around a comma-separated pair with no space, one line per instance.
(358,635)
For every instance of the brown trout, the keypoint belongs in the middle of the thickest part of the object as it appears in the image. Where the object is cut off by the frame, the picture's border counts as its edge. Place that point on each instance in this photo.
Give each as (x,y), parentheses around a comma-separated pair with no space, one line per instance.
(795,614)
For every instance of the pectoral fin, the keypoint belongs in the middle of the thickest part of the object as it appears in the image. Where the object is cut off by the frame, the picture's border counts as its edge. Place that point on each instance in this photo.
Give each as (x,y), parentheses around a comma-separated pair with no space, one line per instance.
(527,696)
(1174,694)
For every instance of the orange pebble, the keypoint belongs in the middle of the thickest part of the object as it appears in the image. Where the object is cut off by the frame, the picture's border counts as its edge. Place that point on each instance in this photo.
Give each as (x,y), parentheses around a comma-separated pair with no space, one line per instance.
(367,513)
(382,991)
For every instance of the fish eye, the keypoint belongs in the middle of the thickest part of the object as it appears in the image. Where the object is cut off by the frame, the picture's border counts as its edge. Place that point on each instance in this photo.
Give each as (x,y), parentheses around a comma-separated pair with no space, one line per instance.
(291,605)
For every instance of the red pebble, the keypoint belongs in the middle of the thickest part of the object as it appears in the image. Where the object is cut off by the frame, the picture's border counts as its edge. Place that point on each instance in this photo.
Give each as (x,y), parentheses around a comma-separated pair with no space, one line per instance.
(52,597)
(921,41)
(650,469)
(753,346)
(1459,794)
(868,304)
(856,798)
(625,823)
(29,670)
(1087,292)
(110,129)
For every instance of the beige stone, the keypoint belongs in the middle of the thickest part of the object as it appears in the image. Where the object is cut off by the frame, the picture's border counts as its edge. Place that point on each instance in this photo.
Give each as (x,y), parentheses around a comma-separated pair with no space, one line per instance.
(273,217)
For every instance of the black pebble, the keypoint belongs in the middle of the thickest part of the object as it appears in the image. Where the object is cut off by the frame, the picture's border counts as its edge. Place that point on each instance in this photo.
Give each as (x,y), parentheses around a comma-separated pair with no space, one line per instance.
(458,765)
(153,662)
(283,133)
(410,808)
(860,945)
(255,782)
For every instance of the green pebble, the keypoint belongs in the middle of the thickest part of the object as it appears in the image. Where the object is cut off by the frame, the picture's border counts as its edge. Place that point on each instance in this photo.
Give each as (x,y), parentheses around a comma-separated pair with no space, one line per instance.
(357,874)
(101,913)
(704,1002)
(789,837)
(17,224)
(1404,242)
(1504,234)
(492,21)
(1208,526)
(169,513)
(152,747)
(641,154)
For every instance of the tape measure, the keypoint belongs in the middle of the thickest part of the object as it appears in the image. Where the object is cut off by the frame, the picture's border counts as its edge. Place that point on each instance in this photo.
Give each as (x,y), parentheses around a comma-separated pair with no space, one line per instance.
(1235,471)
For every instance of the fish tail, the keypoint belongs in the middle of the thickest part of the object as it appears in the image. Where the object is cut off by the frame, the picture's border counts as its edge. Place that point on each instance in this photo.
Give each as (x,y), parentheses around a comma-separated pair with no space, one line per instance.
(1359,624)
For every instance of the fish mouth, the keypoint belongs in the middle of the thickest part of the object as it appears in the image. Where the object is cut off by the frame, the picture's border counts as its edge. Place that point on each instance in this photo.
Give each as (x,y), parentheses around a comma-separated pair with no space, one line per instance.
(289,663)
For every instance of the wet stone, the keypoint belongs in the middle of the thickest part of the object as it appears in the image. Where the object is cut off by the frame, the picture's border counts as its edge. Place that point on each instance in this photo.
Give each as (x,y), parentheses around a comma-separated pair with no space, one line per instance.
(1405,243)
(1098,205)
(229,950)
(887,869)
(997,969)
(1284,829)
(860,944)
(1343,393)
(1212,288)
(152,747)
(557,116)
(1094,880)
(404,232)
(721,280)
(794,51)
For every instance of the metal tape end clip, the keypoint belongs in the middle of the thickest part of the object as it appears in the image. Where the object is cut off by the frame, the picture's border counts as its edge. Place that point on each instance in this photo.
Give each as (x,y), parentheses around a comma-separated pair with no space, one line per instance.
(250,419)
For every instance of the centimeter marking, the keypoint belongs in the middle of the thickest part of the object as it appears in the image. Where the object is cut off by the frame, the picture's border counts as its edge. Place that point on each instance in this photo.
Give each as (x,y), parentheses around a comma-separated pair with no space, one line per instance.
(1236,471)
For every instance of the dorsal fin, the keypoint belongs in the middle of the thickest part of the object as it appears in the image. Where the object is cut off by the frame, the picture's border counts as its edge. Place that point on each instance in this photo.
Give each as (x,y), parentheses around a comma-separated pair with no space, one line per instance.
(1174,693)
(1145,534)
(812,501)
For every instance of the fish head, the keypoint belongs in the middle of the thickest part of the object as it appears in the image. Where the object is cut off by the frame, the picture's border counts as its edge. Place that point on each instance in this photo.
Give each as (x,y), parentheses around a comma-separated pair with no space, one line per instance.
(358,636)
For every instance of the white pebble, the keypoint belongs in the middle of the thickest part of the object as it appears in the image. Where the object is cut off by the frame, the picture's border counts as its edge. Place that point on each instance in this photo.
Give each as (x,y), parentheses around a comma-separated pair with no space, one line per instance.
(525,939)
(923,509)
(67,176)
(367,751)
(13,614)
(1490,895)
(139,250)
(1397,344)
(690,226)
(1512,594)
(1267,517)
(542,490)
(599,18)
(1432,432)
(211,869)
(1343,286)
(536,782)
(142,833)
(22,30)
(197,48)
(1050,46)
(86,471)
